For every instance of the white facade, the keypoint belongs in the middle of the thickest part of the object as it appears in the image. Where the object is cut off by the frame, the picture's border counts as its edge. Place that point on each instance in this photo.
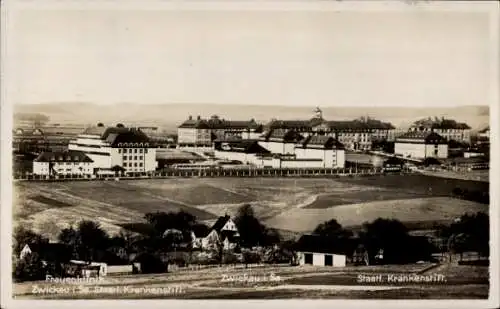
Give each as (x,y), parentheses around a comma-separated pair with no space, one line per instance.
(95,148)
(355,140)
(278,147)
(421,150)
(63,168)
(238,156)
(331,158)
(193,136)
(320,259)
(25,252)
(229,226)
(462,135)
(133,159)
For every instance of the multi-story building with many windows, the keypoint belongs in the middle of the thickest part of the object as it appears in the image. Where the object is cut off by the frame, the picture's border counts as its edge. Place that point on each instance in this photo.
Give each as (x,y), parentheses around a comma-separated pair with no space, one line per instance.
(202,132)
(63,163)
(128,148)
(449,129)
(355,134)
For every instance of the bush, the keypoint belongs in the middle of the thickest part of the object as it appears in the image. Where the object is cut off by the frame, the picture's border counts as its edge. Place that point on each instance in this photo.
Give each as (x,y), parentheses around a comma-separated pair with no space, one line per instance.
(151,264)
(204,258)
(229,258)
(30,268)
(252,257)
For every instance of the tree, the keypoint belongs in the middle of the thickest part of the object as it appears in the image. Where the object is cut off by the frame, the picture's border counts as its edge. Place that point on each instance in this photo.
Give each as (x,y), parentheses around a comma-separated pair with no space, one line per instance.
(23,236)
(92,239)
(161,221)
(88,240)
(289,250)
(458,243)
(474,229)
(333,229)
(251,231)
(69,236)
(389,236)
(29,268)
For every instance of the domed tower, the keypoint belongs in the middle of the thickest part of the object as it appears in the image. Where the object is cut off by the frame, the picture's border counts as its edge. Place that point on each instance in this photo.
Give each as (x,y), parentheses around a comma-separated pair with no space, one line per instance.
(318,113)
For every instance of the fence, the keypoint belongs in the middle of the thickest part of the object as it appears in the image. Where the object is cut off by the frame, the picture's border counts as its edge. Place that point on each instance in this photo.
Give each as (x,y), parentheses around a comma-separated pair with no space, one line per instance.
(250,172)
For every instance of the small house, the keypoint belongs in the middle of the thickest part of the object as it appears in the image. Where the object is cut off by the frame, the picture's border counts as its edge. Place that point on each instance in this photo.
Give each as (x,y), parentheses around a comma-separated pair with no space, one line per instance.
(224,232)
(321,251)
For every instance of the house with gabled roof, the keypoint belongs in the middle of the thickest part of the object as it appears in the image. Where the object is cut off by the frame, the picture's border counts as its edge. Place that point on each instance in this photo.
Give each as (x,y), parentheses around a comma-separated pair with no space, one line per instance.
(224,233)
(68,162)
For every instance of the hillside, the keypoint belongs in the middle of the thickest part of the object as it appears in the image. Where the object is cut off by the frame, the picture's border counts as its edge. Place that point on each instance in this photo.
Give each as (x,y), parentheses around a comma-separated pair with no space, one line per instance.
(296,205)
(169,116)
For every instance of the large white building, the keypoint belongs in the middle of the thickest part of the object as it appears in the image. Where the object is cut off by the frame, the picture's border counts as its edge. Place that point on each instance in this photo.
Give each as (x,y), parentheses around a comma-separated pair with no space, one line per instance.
(284,150)
(421,145)
(128,148)
(63,163)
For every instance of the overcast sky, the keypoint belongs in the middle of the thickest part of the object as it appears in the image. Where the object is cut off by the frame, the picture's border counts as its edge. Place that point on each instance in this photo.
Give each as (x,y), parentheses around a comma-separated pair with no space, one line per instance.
(251,57)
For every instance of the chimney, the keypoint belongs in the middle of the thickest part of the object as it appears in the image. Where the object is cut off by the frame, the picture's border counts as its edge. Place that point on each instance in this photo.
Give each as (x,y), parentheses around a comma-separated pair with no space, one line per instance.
(190,117)
(199,117)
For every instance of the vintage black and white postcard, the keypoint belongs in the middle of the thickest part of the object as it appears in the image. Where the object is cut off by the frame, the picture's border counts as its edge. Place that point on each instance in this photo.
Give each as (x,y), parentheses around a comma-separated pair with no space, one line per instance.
(318,152)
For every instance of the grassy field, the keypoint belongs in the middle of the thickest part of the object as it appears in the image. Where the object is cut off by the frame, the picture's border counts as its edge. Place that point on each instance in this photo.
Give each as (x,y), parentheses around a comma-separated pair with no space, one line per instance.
(294,204)
(288,282)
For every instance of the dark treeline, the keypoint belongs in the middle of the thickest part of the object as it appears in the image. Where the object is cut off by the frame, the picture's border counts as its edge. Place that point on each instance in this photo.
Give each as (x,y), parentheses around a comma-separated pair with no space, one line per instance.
(168,239)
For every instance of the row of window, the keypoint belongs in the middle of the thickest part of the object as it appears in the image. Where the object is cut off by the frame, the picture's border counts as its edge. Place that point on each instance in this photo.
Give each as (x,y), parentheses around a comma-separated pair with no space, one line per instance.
(133,144)
(59,170)
(125,164)
(130,158)
(71,163)
(133,150)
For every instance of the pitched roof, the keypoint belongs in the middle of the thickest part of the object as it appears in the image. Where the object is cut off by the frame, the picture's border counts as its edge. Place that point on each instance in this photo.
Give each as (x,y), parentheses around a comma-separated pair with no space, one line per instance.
(219,224)
(442,123)
(195,124)
(239,145)
(322,244)
(288,136)
(288,124)
(116,136)
(94,130)
(485,130)
(216,123)
(111,130)
(322,141)
(421,137)
(359,124)
(52,251)
(63,156)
